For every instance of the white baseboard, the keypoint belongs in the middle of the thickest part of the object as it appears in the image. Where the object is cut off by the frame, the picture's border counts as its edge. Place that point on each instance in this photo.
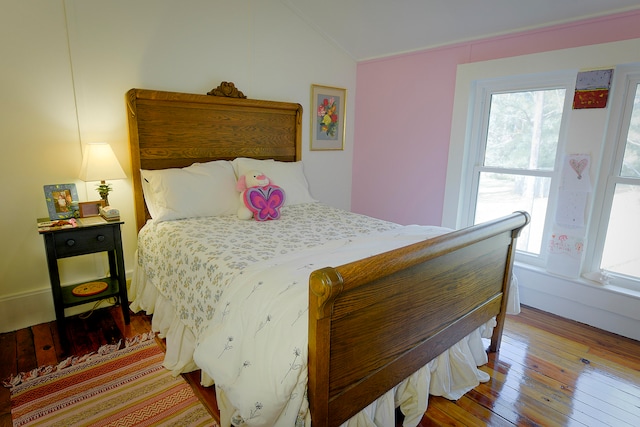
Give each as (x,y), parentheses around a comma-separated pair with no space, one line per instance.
(32,308)
(27,309)
(595,305)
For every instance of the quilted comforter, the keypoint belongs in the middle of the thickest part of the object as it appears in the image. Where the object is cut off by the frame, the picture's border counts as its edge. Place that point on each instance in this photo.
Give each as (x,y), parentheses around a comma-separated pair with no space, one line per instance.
(232,299)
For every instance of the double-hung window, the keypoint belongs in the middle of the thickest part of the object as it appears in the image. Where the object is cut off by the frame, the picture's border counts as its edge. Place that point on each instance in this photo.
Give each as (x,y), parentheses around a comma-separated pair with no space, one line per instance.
(516,144)
(616,232)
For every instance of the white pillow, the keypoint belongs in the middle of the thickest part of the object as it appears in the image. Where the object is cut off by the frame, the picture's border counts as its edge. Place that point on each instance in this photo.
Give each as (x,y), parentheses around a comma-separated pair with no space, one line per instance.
(248,164)
(287,175)
(202,189)
(147,192)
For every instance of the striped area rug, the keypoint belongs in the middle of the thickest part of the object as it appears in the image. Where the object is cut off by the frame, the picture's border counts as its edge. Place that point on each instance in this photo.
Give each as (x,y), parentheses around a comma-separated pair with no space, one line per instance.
(113,387)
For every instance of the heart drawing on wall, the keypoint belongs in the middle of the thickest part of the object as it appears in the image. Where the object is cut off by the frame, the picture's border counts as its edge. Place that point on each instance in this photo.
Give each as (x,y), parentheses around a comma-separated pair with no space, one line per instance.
(578,166)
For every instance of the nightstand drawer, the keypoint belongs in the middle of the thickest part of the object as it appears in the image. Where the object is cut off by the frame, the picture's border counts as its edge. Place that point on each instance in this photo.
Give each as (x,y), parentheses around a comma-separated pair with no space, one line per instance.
(79,242)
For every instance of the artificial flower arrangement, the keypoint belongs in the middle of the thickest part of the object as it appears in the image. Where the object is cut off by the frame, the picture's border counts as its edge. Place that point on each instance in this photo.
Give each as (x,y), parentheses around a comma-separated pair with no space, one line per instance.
(327,112)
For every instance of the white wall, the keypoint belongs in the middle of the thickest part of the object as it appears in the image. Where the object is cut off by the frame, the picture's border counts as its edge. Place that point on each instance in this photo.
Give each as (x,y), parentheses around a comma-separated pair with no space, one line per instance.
(602,306)
(66,67)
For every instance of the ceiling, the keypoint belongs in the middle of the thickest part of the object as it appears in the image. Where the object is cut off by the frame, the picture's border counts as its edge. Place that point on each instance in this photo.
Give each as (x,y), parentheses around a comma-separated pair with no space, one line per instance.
(368,29)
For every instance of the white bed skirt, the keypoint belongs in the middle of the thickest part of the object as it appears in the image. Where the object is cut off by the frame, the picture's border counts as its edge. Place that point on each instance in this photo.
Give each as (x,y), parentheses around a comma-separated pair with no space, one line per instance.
(450,375)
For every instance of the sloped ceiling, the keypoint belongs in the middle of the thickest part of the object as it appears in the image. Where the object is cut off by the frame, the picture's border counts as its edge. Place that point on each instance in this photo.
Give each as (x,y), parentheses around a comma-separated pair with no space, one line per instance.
(367,29)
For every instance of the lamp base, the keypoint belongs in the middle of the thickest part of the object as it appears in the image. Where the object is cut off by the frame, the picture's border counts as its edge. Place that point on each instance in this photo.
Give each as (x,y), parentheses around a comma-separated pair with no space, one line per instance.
(103,190)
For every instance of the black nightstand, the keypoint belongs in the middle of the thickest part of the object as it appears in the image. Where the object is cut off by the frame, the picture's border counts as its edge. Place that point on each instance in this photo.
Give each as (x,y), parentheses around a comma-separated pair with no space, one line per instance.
(91,235)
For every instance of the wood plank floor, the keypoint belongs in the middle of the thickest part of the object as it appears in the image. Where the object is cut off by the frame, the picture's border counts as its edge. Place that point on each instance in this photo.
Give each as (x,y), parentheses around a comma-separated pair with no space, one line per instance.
(549,372)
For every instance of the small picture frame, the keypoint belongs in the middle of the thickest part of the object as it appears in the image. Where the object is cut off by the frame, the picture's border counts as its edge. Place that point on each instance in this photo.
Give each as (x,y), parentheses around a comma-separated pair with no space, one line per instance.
(328,115)
(62,200)
(88,209)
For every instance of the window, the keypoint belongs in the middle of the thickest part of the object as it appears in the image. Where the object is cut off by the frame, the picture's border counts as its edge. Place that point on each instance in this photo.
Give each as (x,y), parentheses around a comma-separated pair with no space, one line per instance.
(497,165)
(516,145)
(616,249)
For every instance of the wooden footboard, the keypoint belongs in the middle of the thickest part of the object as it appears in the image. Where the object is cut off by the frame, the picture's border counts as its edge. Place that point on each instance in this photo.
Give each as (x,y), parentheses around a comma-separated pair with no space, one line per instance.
(376,321)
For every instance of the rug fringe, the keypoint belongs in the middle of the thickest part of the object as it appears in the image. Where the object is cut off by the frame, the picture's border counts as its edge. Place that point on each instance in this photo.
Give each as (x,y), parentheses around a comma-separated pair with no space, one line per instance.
(105,349)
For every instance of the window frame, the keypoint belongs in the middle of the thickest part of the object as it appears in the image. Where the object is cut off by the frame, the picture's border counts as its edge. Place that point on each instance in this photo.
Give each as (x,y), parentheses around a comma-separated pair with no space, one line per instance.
(479,105)
(626,78)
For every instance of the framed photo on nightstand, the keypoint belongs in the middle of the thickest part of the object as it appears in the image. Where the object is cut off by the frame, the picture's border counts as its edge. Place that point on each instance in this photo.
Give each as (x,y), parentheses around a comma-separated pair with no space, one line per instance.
(87,209)
(62,200)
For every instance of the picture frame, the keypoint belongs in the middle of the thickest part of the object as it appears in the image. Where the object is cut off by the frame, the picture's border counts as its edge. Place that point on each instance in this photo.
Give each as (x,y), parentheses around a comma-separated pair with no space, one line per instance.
(62,200)
(328,117)
(89,209)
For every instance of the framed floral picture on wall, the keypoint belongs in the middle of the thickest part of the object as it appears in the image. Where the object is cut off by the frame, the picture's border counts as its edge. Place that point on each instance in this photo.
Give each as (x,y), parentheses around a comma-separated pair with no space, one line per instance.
(328,114)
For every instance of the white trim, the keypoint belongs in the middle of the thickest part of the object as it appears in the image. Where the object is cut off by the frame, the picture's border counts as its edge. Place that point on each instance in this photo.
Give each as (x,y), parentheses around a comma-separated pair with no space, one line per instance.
(14,316)
(626,77)
(605,307)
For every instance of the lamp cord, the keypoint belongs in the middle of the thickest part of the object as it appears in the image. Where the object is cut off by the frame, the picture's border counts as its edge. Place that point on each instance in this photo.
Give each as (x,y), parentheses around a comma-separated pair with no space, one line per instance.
(86,315)
(73,78)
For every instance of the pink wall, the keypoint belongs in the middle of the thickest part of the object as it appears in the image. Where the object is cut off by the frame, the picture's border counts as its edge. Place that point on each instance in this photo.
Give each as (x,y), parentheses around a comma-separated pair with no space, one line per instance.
(404,108)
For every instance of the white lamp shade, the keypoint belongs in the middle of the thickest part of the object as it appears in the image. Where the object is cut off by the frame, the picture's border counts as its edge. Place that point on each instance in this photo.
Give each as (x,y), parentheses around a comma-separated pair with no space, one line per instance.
(99,163)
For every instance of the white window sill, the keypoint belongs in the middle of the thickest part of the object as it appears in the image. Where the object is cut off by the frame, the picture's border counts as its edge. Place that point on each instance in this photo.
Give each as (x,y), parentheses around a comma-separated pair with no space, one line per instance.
(609,287)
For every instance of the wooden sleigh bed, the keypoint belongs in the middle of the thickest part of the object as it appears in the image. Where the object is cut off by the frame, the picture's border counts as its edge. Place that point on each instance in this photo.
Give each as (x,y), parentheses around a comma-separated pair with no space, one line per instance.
(372,322)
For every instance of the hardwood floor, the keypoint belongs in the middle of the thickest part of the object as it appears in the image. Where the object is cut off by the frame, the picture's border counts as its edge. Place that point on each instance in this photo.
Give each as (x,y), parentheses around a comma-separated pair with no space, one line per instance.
(549,372)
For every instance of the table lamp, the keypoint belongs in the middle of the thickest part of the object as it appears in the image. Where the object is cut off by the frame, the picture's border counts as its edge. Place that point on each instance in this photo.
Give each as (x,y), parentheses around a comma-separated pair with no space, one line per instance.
(99,163)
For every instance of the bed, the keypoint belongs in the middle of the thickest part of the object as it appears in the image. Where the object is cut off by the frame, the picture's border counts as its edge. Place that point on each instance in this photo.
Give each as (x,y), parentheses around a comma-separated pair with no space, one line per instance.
(384,308)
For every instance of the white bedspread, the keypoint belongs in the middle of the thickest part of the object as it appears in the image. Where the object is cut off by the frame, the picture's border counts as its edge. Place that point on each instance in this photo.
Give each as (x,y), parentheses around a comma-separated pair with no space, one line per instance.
(192,261)
(256,347)
(250,327)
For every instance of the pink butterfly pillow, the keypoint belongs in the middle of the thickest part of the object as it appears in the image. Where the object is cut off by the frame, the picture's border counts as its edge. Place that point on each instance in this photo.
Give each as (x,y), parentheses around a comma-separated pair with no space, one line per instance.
(265,202)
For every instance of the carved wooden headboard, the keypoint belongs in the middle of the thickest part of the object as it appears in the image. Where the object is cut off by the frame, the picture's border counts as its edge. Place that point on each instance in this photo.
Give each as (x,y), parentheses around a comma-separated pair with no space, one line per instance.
(172,130)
